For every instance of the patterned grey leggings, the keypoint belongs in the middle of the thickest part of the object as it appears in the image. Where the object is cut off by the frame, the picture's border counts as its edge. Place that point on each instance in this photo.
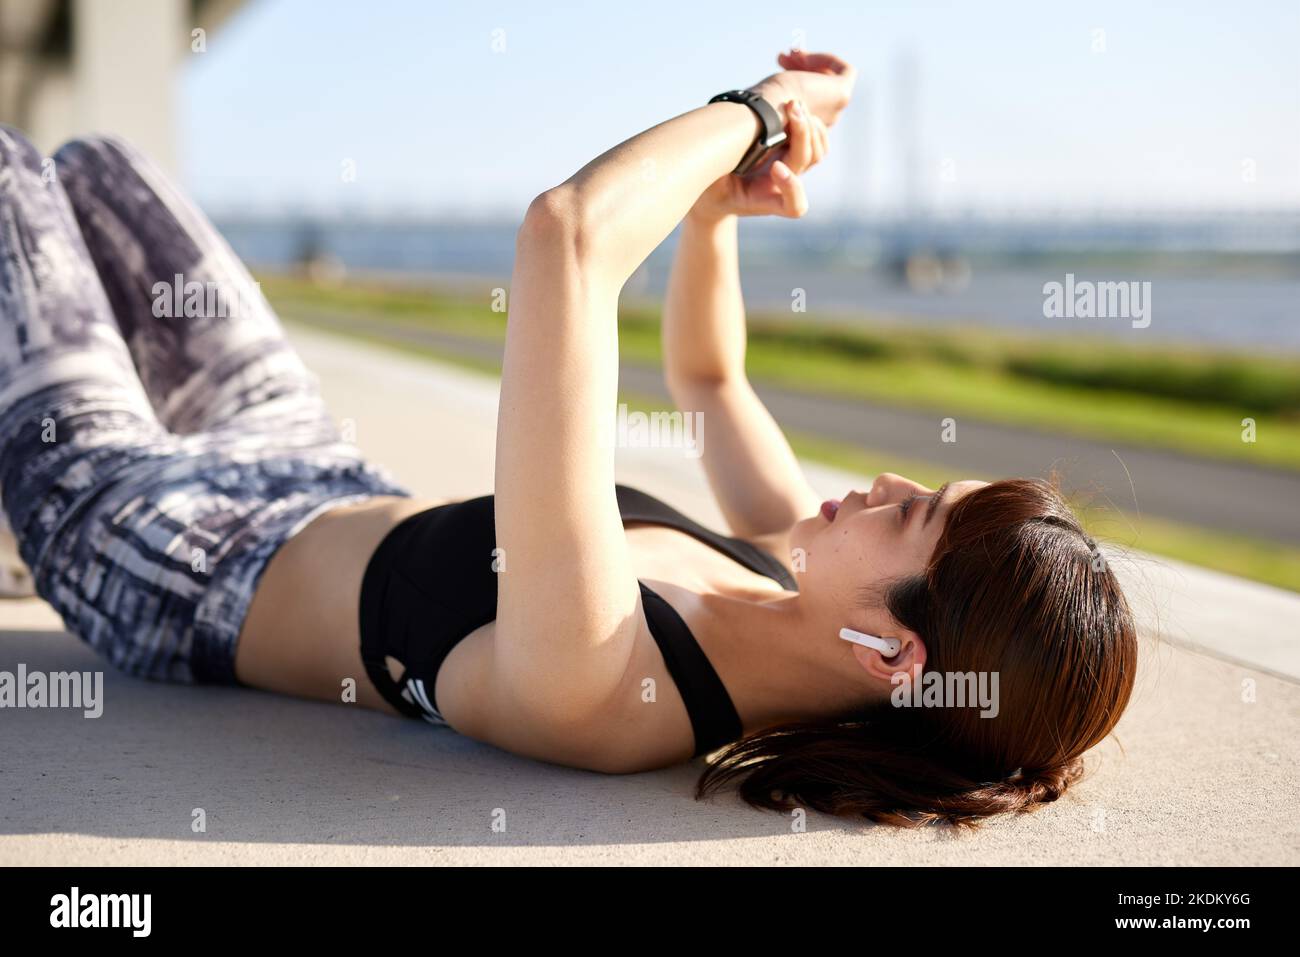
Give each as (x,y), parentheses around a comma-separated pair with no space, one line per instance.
(159,438)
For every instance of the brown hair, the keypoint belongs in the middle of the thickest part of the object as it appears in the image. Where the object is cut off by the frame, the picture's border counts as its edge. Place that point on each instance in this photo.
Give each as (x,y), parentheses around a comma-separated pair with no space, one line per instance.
(1015,587)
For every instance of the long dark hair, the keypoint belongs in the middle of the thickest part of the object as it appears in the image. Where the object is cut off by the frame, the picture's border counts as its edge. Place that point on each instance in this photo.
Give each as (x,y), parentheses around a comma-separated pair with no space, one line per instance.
(1016,587)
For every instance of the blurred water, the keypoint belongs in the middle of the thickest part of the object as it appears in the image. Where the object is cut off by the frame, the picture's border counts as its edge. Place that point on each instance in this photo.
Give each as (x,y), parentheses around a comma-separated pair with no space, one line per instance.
(1246,308)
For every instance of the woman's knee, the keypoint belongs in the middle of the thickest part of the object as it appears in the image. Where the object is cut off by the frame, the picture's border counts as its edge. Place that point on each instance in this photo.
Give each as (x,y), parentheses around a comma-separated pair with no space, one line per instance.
(22,167)
(16,149)
(95,157)
(102,172)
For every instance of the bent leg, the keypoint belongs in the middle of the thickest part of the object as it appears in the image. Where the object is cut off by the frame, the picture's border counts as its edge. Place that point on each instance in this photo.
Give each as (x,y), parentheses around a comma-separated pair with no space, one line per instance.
(210,351)
(68,391)
(148,544)
(74,419)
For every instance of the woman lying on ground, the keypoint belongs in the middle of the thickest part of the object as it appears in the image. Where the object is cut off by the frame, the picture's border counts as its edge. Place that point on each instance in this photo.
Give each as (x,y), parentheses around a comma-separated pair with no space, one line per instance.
(184,501)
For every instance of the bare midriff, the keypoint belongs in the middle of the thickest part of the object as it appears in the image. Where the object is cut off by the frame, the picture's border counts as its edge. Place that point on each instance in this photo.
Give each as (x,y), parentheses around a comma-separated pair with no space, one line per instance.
(302,632)
(301,635)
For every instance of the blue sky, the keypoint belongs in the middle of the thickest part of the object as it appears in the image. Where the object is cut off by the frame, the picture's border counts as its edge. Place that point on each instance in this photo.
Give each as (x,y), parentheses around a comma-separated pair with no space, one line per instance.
(1190,105)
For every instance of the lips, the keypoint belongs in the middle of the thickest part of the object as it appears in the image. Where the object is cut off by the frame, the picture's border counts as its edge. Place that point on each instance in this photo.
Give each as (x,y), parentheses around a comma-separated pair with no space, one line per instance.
(829,508)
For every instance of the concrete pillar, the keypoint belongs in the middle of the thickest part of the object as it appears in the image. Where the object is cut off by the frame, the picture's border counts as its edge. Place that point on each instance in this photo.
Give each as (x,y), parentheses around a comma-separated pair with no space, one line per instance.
(126,56)
(52,107)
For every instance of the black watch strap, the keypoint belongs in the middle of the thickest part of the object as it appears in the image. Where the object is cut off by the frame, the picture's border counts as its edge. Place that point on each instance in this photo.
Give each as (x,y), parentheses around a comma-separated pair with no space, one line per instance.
(772,136)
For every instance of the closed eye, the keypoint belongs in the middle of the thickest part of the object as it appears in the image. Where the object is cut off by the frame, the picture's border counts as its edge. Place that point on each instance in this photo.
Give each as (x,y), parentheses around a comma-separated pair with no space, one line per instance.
(905,505)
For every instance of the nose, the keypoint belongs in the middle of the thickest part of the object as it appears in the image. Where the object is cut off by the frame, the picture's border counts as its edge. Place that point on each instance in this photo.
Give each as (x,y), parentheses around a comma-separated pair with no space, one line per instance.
(889,488)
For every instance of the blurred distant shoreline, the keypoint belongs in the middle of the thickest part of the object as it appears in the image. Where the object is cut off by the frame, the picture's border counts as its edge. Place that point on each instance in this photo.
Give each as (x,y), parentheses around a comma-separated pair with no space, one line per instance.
(1226,281)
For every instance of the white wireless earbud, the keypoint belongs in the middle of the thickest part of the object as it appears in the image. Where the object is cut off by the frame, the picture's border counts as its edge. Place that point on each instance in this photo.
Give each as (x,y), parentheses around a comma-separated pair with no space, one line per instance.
(886,646)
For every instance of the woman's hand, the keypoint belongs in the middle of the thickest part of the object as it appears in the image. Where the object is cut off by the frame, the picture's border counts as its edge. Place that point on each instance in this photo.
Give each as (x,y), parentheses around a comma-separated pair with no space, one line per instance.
(822,81)
(813,90)
(774,189)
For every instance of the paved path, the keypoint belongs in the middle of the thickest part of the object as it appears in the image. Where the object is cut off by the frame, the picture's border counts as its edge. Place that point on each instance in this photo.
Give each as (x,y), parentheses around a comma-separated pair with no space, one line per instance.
(1207,774)
(1224,496)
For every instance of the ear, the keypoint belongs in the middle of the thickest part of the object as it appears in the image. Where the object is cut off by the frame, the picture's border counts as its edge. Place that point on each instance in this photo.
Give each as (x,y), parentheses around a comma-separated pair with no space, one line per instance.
(910,659)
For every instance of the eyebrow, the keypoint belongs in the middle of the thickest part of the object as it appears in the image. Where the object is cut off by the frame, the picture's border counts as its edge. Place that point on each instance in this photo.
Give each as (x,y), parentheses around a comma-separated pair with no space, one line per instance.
(934,502)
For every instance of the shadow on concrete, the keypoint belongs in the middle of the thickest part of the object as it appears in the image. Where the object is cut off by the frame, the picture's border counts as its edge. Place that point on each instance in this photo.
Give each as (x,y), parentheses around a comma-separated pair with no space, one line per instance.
(266,768)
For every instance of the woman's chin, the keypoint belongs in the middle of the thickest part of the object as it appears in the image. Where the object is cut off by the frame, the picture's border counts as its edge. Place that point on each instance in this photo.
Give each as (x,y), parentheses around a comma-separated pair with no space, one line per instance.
(806,530)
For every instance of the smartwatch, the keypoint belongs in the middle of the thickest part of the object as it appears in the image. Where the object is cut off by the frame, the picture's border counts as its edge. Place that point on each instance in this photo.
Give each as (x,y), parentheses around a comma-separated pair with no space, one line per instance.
(772,136)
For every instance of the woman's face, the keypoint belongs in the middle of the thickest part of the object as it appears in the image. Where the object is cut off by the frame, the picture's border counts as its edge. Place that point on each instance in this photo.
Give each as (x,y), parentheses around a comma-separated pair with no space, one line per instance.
(871,538)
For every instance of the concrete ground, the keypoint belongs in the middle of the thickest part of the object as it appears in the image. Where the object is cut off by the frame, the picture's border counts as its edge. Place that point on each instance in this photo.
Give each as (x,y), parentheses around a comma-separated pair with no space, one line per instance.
(1202,770)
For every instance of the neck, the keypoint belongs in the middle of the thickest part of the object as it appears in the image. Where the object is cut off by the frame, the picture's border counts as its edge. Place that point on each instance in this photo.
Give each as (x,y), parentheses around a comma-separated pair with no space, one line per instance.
(780,663)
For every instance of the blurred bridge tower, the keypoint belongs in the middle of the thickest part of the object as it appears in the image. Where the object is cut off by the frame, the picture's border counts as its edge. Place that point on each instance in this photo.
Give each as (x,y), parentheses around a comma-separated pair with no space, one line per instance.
(70,67)
(907,131)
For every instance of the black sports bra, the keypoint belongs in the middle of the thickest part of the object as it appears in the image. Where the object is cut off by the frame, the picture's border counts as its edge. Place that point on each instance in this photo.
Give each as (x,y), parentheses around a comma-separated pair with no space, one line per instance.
(420,596)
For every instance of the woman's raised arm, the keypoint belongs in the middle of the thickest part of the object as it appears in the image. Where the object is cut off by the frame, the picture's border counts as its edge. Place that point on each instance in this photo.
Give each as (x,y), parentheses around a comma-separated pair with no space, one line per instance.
(568,605)
(756,479)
